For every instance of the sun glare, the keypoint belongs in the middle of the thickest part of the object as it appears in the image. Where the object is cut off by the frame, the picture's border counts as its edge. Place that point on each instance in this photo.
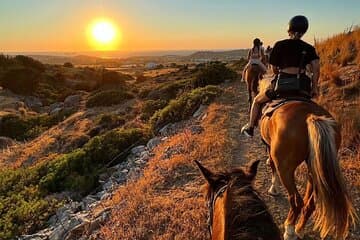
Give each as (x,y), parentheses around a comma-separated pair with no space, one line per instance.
(104,35)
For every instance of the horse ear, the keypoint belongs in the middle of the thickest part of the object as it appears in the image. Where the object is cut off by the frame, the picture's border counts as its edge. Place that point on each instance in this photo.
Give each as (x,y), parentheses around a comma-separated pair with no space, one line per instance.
(208,175)
(253,169)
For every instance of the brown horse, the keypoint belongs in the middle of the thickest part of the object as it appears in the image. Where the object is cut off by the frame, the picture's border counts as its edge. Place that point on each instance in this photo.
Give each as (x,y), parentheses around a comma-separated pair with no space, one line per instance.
(235,209)
(303,131)
(252,77)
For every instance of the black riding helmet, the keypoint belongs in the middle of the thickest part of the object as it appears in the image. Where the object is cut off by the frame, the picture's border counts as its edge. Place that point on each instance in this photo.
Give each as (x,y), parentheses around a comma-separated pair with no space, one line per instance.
(256,42)
(298,24)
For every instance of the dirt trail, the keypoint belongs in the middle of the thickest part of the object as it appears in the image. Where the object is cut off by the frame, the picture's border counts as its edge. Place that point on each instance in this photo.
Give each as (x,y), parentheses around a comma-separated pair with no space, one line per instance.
(245,150)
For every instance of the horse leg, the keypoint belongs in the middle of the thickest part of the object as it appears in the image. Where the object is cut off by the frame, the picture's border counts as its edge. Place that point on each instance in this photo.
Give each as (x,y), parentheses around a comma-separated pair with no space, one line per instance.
(286,174)
(250,94)
(275,181)
(307,210)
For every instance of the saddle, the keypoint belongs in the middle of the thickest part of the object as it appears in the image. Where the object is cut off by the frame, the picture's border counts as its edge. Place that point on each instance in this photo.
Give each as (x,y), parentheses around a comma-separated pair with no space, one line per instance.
(270,107)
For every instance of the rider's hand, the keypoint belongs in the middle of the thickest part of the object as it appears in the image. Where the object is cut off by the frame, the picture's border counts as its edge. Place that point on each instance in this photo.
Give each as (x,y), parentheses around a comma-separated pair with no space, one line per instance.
(315,92)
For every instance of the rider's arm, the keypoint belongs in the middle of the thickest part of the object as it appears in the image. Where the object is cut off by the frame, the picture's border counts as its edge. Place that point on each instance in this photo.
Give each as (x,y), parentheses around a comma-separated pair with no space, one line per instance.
(249,54)
(262,54)
(315,67)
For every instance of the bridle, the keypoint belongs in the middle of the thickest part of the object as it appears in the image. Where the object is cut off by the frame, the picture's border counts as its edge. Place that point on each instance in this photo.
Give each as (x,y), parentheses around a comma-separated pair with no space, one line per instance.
(210,205)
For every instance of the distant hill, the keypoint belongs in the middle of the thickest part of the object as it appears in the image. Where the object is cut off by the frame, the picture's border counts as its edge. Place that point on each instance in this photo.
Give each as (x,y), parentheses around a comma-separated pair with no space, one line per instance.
(114,62)
(219,55)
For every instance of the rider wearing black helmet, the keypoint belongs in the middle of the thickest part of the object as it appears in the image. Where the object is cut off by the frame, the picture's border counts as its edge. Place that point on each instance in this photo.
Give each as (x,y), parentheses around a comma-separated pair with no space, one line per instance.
(288,60)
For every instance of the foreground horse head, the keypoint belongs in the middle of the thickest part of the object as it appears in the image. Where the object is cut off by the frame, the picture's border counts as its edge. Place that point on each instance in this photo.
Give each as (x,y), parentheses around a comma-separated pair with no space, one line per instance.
(235,209)
(252,77)
(303,131)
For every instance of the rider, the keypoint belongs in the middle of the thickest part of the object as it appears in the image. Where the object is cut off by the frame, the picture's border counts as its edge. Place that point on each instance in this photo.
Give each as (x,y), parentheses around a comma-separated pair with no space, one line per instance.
(285,59)
(255,55)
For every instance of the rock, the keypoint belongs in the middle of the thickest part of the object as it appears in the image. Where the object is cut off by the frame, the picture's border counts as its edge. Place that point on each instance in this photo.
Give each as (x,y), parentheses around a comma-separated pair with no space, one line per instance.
(138,150)
(144,156)
(199,111)
(56,105)
(167,130)
(6,142)
(72,101)
(170,151)
(196,129)
(152,143)
(109,185)
(33,103)
(56,111)
(89,200)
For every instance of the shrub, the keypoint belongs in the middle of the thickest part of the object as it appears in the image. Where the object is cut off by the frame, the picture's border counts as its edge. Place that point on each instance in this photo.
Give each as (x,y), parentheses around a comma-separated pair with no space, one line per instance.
(168,91)
(21,80)
(111,120)
(21,128)
(25,203)
(108,98)
(150,107)
(29,62)
(213,74)
(23,206)
(68,65)
(79,170)
(183,107)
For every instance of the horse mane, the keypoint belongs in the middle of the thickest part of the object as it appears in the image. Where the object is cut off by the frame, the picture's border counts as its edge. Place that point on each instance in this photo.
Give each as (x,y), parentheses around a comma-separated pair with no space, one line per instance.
(250,216)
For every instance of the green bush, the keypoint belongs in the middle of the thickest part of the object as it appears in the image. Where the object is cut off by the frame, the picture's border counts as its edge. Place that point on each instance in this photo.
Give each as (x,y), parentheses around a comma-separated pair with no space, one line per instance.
(183,107)
(213,74)
(29,62)
(149,107)
(21,80)
(78,171)
(23,207)
(21,128)
(108,98)
(25,194)
(68,65)
(169,90)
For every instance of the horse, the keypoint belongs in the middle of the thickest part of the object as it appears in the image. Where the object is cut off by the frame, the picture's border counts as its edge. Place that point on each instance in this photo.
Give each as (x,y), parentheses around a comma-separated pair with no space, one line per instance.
(301,131)
(235,209)
(252,77)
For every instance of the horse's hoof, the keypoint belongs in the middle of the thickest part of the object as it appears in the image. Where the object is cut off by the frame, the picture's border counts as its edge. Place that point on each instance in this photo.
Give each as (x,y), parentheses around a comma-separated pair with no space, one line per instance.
(290,233)
(268,161)
(273,192)
(300,234)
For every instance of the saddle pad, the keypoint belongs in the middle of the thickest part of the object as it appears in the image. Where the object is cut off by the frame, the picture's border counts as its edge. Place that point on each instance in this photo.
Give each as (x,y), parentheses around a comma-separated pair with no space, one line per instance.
(271,106)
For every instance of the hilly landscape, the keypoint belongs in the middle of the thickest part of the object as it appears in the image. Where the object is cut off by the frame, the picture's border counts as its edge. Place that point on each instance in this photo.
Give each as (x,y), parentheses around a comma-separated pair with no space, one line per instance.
(91,153)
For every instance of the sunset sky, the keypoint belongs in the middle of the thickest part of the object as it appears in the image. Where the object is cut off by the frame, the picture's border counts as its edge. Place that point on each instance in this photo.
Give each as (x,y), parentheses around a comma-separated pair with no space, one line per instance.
(62,25)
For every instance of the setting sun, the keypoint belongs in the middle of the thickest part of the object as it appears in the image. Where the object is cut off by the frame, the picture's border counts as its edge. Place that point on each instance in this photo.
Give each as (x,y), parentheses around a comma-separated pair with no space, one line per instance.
(104,35)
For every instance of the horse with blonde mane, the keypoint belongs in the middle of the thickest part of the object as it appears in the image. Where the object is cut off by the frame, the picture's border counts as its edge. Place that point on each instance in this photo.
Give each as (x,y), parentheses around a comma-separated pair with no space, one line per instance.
(300,131)
(236,211)
(252,78)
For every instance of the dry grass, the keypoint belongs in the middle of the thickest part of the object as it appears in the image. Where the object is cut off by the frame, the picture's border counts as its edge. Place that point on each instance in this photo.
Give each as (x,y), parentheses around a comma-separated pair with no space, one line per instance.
(340,84)
(167,201)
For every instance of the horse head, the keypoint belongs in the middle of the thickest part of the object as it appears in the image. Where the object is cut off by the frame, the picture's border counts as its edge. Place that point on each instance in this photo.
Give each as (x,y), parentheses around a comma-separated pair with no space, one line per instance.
(233,205)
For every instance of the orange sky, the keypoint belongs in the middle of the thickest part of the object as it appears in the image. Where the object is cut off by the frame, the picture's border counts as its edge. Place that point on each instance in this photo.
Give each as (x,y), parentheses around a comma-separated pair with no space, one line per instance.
(61,25)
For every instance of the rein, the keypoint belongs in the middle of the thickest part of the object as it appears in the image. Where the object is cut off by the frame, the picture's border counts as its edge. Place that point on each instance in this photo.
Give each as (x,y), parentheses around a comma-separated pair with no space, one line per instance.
(211,203)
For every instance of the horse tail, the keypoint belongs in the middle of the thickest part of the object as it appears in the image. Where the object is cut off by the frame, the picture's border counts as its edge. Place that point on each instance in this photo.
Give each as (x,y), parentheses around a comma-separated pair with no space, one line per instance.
(334,211)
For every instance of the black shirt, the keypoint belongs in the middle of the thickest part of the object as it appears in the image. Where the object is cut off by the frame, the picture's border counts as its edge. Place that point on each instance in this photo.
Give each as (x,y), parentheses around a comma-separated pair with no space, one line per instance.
(288,52)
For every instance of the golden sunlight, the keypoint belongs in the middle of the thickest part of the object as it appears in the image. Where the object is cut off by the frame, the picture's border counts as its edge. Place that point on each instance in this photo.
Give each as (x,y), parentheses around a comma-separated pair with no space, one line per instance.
(104,35)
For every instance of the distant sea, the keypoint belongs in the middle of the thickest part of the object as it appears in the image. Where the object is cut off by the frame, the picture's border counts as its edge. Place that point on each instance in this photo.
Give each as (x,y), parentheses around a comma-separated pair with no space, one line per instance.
(116,54)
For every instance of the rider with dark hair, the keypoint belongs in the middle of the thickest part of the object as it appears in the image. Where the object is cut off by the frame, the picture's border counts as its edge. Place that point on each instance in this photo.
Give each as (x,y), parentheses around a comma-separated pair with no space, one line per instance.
(255,55)
(288,60)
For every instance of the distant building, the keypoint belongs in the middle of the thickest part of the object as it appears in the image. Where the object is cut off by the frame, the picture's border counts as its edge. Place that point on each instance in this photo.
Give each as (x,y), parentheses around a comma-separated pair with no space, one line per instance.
(151,65)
